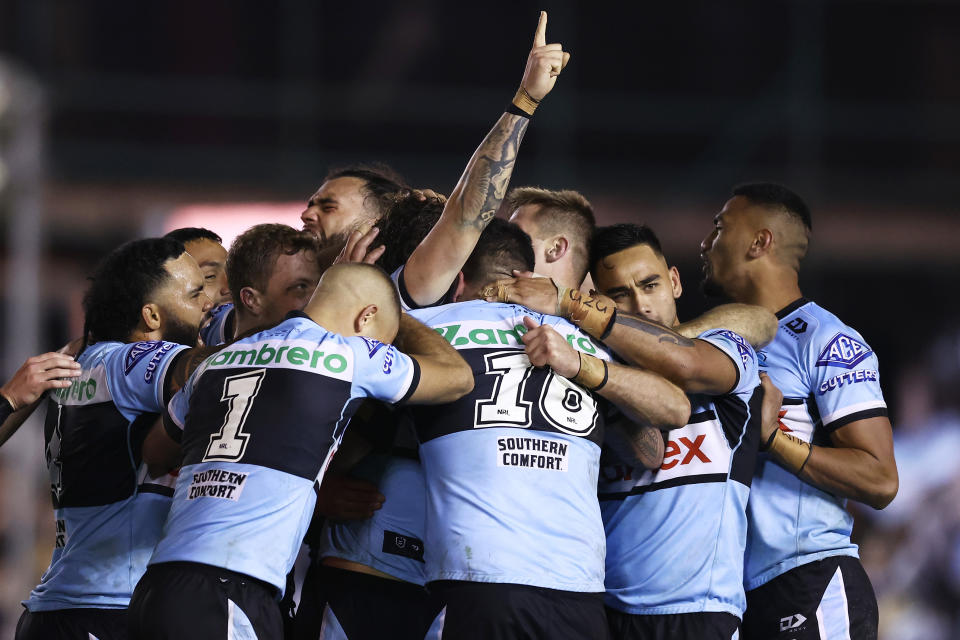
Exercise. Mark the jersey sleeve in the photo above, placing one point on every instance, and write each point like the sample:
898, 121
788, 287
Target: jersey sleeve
381, 371
740, 352
406, 301
136, 375
844, 377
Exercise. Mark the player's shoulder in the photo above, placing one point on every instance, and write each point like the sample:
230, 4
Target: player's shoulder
826, 337
132, 357
732, 342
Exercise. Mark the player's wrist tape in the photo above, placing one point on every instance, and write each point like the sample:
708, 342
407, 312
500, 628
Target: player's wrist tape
523, 104
595, 313
790, 451
593, 372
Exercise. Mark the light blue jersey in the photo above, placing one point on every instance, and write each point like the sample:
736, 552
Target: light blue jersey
676, 535
220, 328
829, 378
261, 420
511, 467
108, 516
392, 540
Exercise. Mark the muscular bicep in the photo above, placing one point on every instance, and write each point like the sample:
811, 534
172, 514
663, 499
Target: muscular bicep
870, 435
713, 371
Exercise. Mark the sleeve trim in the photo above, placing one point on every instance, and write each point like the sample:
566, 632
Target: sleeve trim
854, 417
736, 367
173, 428
414, 381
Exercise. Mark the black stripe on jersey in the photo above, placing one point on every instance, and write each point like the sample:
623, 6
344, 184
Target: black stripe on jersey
702, 416
89, 454
790, 308
405, 297
156, 488
818, 436
745, 456
792, 401
289, 425
853, 417
705, 478
414, 382
172, 428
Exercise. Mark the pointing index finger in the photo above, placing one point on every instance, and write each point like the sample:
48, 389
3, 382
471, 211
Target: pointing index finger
540, 38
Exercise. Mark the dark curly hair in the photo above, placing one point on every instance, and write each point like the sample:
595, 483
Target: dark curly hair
405, 224
381, 183
122, 284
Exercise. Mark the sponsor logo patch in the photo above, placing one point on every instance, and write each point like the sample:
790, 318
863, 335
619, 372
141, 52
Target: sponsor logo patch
846, 379
791, 622
797, 325
843, 351
137, 353
155, 361
372, 345
217, 483
61, 539
742, 347
532, 453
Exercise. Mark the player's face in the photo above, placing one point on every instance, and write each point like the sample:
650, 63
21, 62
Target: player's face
335, 209
640, 282
291, 284
525, 218
182, 301
211, 257
725, 249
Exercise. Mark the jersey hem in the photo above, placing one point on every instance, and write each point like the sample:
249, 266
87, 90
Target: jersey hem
793, 563
673, 609
580, 587
58, 605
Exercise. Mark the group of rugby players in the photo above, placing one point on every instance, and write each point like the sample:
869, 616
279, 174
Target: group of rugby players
470, 446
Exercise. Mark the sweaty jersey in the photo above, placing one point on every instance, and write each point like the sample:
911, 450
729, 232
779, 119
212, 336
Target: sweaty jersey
676, 535
391, 540
511, 467
218, 331
108, 514
828, 376
261, 420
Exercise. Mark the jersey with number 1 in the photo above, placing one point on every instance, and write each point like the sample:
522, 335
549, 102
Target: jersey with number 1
828, 376
109, 513
261, 420
511, 467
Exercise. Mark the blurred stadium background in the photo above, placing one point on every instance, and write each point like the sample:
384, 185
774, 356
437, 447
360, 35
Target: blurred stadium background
123, 119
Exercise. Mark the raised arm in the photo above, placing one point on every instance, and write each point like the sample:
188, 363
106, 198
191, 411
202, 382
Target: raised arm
22, 393
693, 365
755, 324
434, 264
444, 375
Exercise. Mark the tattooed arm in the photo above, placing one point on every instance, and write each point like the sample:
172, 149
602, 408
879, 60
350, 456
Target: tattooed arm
435, 263
695, 366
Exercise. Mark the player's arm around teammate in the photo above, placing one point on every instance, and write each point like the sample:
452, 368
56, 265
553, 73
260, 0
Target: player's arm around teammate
444, 375
435, 264
649, 402
21, 394
752, 322
693, 365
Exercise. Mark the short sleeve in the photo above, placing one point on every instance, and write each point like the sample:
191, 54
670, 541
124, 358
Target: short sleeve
176, 416
406, 301
845, 379
740, 352
381, 371
136, 375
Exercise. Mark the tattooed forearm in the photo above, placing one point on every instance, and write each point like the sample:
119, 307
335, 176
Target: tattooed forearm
488, 174
662, 334
645, 443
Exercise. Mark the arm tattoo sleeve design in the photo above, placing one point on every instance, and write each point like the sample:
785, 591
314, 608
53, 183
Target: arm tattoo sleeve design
489, 175
659, 331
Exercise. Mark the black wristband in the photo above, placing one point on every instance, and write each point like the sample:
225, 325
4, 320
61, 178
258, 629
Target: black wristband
606, 332
606, 376
6, 409
766, 445
517, 111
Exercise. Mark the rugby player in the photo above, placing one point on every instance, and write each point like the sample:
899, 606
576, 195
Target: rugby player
272, 270
206, 247
514, 540
350, 198
834, 441
261, 420
143, 308
560, 225
676, 535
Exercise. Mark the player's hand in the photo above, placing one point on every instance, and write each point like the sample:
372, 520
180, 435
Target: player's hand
357, 248
769, 408
37, 375
544, 63
538, 294
423, 194
341, 497
547, 348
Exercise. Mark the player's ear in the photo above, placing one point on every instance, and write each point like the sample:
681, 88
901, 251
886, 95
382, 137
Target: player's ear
458, 291
675, 282
556, 248
250, 300
363, 323
150, 315
762, 243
